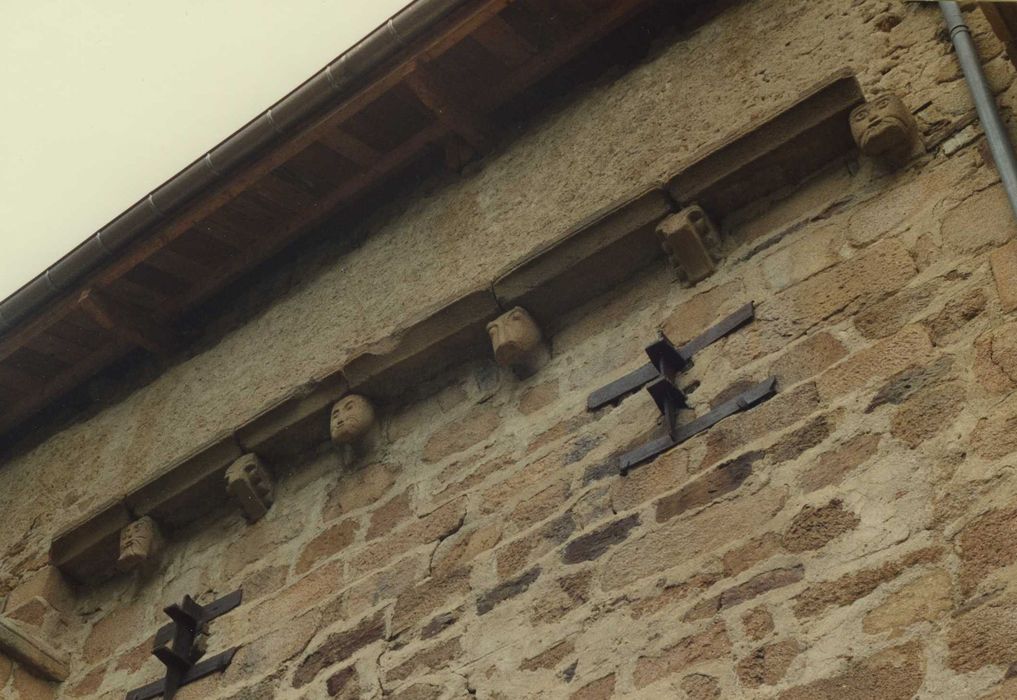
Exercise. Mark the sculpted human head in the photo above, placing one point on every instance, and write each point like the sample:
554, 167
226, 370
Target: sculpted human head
884, 128
250, 484
140, 542
352, 418
515, 336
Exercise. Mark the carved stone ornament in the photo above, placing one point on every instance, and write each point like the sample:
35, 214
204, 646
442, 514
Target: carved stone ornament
884, 129
517, 341
140, 545
690, 240
352, 418
250, 485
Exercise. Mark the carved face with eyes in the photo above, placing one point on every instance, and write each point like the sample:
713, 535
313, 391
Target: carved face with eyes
514, 335
139, 543
352, 417
884, 128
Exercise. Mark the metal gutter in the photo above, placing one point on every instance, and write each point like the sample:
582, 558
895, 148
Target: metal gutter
985, 101
335, 81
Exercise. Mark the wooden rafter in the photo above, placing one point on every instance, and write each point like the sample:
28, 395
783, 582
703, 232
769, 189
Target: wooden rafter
450, 108
130, 324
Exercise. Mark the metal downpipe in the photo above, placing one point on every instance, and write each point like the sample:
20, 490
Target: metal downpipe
985, 102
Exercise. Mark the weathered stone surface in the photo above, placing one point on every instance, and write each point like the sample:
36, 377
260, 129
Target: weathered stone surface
980, 221
711, 643
955, 315
462, 434
832, 466
757, 623
510, 589
649, 481
887, 317
807, 358
744, 557
766, 665
996, 358
435, 657
995, 435
906, 383
327, 544
986, 544
432, 527
983, 636
464, 546
800, 440
424, 598
753, 588
699, 686
389, 515
896, 673
1004, 272
340, 646
594, 544
550, 657
781, 411
715, 483
359, 489
537, 397
850, 587
29, 687
927, 414
683, 539
344, 684
600, 689
813, 528
887, 357
702, 311
46, 583
925, 599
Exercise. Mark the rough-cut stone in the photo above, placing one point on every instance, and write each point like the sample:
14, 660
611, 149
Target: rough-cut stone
711, 643
807, 358
800, 440
753, 588
537, 397
594, 544
850, 587
986, 544
359, 489
29, 687
894, 354
464, 546
389, 515
896, 673
344, 684
432, 527
979, 222
340, 646
327, 544
435, 657
813, 527
887, 317
460, 435
510, 589
698, 686
550, 657
744, 557
927, 414
983, 636
832, 467
757, 623
995, 436
48, 584
683, 539
600, 689
708, 487
906, 383
955, 315
649, 481
702, 311
766, 665
925, 599
996, 359
1004, 272
425, 597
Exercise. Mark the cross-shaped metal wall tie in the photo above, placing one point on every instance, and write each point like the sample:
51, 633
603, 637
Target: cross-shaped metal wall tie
180, 644
660, 377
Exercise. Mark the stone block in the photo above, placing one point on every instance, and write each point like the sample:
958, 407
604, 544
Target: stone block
712, 485
600, 689
983, 636
744, 592
766, 665
1004, 272
986, 544
924, 600
877, 362
807, 358
487, 601
329, 543
48, 584
425, 597
896, 673
425, 346
591, 258
832, 466
432, 658
340, 646
595, 544
814, 527
757, 623
550, 657
711, 643
774, 152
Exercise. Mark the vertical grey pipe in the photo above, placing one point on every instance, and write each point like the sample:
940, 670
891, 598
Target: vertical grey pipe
985, 102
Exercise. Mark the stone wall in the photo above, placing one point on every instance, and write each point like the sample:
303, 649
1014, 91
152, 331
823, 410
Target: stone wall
850, 538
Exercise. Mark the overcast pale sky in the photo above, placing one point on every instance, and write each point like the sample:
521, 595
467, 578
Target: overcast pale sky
104, 100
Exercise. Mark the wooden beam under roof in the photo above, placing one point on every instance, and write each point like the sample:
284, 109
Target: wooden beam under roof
450, 108
130, 324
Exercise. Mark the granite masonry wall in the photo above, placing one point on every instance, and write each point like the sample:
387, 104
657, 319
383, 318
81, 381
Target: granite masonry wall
853, 537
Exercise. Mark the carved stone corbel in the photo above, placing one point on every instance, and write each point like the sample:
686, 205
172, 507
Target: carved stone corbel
251, 486
141, 544
517, 342
885, 130
692, 243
